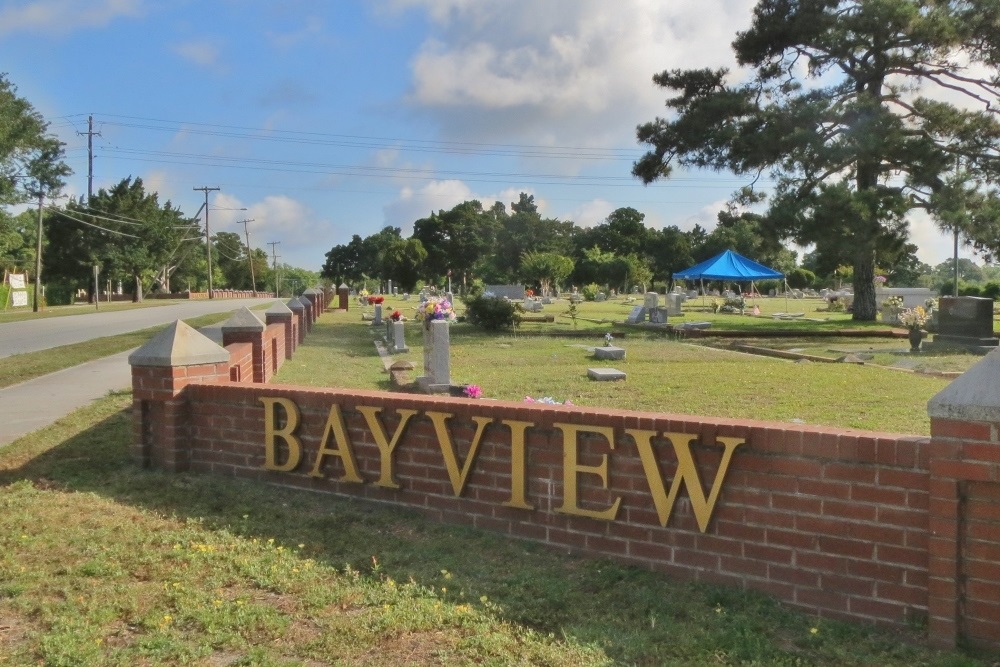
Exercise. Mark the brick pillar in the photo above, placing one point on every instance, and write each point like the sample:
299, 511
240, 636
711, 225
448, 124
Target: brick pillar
964, 521
245, 327
343, 293
314, 304
307, 315
279, 313
161, 369
299, 311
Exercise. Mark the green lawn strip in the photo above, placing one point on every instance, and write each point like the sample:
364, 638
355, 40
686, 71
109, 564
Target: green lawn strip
663, 376
104, 563
23, 367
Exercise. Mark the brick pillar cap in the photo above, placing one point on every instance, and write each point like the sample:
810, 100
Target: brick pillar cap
974, 395
278, 309
311, 290
343, 286
179, 345
241, 321
295, 304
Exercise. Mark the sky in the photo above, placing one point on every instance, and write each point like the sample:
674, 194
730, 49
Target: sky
329, 119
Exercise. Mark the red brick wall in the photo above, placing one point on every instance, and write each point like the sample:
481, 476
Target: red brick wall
241, 359
829, 520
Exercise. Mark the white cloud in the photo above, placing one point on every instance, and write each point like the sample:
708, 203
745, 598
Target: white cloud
519, 68
415, 203
203, 52
59, 17
591, 213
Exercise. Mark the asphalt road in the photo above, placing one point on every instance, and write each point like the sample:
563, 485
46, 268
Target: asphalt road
42, 334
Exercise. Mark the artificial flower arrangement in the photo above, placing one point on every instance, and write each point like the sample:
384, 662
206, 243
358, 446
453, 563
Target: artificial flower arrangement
608, 339
547, 400
372, 300
913, 318
473, 391
893, 302
396, 316
438, 309
930, 305
880, 281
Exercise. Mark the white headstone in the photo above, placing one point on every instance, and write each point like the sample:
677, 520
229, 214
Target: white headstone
652, 300
378, 315
398, 339
674, 301
437, 357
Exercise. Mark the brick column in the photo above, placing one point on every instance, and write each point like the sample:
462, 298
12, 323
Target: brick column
313, 298
964, 521
279, 313
307, 315
245, 327
161, 369
299, 311
343, 294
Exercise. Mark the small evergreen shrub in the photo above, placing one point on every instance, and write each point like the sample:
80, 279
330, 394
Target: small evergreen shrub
491, 313
590, 291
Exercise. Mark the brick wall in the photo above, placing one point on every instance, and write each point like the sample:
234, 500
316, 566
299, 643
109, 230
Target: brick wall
876, 527
831, 521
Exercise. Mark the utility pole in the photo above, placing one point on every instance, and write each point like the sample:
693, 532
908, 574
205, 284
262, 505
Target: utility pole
253, 281
274, 254
208, 239
38, 253
90, 156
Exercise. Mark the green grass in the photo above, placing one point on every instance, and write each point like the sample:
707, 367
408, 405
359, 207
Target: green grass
663, 376
102, 563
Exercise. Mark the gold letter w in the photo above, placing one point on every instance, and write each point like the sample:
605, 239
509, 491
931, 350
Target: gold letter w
687, 473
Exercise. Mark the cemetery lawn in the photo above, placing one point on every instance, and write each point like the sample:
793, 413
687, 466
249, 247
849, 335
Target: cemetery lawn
102, 563
663, 375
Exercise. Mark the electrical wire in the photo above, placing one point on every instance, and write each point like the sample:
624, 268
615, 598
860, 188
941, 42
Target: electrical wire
63, 213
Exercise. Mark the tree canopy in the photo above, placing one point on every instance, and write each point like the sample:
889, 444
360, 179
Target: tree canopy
843, 108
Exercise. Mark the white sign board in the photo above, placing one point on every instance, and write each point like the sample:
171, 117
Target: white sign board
19, 298
17, 281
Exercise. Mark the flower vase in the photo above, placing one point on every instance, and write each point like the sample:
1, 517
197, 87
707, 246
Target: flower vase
915, 336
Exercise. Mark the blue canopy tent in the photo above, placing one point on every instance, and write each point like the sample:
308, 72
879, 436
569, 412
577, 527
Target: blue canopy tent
729, 265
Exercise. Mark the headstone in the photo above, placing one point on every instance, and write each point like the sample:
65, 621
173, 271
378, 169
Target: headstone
912, 296
609, 352
342, 294
389, 287
398, 339
651, 301
406, 296
437, 358
966, 321
658, 315
395, 291
605, 374
600, 297
546, 300
693, 294
674, 301
378, 315
637, 315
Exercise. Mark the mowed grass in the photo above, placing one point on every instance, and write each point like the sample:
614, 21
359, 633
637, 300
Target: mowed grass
663, 376
102, 563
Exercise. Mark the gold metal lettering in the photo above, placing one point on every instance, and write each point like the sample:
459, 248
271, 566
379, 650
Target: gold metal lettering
457, 477
335, 425
687, 473
572, 469
518, 467
287, 434
385, 446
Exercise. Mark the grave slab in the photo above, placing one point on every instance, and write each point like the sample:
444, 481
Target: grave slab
609, 352
605, 374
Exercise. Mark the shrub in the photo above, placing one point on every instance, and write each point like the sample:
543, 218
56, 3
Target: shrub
991, 290
969, 290
800, 278
491, 313
590, 291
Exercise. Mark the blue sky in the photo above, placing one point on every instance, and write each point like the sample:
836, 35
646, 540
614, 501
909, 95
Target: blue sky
327, 119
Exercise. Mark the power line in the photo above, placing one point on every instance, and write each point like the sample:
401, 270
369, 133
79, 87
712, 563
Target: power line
63, 213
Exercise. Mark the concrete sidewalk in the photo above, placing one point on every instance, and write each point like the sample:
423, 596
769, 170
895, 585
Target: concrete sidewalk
34, 404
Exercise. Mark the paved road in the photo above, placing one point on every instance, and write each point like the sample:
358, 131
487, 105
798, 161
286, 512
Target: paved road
42, 334
31, 405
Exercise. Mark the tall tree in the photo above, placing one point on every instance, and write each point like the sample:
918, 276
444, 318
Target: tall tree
832, 109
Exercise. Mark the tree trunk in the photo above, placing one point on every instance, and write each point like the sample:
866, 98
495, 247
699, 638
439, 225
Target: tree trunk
865, 309
137, 297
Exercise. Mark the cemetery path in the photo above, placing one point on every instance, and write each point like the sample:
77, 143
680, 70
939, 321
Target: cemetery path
34, 404
42, 334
